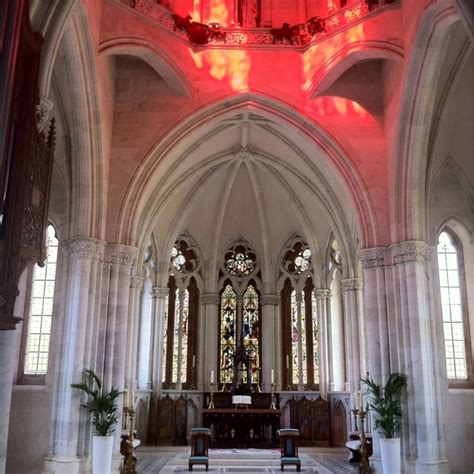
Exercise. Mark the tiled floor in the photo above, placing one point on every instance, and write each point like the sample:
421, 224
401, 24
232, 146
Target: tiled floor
175, 460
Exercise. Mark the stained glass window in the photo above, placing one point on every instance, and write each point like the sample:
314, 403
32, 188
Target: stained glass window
184, 336
452, 311
315, 339
251, 330
240, 261
227, 333
165, 340
295, 338
304, 348
299, 354
176, 327
41, 310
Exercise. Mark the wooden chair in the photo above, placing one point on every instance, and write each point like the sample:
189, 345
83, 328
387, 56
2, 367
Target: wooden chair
289, 448
199, 447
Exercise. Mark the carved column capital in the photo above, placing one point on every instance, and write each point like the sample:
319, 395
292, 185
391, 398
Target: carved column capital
270, 300
210, 298
159, 292
411, 251
373, 258
136, 282
83, 247
118, 254
43, 110
352, 284
322, 294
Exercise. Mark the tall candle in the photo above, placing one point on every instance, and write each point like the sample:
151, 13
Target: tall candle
212, 376
132, 396
361, 401
272, 376
125, 398
287, 361
194, 361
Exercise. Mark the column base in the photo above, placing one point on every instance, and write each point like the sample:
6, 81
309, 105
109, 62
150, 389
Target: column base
440, 466
66, 465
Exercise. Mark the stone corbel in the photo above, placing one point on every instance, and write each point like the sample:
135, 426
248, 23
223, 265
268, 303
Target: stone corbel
411, 251
352, 284
43, 111
159, 292
373, 258
322, 294
136, 282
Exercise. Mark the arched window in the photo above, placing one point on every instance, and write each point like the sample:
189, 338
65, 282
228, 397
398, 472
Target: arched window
40, 312
299, 319
455, 321
228, 323
179, 328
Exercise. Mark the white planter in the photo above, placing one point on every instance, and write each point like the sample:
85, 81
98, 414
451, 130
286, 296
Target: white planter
390, 450
102, 447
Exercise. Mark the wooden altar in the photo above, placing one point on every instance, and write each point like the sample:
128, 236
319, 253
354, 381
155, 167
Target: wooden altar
242, 427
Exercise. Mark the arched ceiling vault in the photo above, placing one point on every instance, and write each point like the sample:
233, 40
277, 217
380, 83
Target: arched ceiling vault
247, 175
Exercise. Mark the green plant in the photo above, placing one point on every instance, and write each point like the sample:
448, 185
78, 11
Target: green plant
102, 406
386, 402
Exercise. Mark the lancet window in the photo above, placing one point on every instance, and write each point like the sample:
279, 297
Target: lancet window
454, 316
179, 326
40, 311
299, 318
239, 323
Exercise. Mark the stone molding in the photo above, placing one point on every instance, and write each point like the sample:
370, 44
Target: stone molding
373, 257
159, 292
210, 298
83, 247
136, 282
118, 254
270, 300
352, 284
322, 294
411, 251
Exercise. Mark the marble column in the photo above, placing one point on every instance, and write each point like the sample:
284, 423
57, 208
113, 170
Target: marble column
336, 330
7, 356
323, 296
74, 321
136, 288
159, 310
145, 338
207, 357
120, 258
414, 351
351, 288
271, 343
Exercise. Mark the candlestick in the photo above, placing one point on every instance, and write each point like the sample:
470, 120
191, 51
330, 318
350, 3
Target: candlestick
125, 399
194, 361
272, 376
361, 401
211, 403
287, 362
273, 401
212, 376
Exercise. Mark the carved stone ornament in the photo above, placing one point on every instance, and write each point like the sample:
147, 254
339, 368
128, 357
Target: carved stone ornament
43, 110
160, 292
118, 254
83, 247
243, 153
352, 284
210, 298
270, 300
373, 258
322, 294
411, 251
136, 282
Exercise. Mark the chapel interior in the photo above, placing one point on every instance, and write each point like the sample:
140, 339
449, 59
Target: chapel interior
208, 199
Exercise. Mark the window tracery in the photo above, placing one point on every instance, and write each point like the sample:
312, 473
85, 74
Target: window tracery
299, 317
240, 260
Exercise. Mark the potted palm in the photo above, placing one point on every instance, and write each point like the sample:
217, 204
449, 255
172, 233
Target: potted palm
103, 409
386, 404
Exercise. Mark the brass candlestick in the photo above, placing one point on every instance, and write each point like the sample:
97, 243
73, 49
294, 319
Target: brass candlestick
364, 467
355, 411
192, 385
129, 465
259, 369
211, 403
288, 379
273, 403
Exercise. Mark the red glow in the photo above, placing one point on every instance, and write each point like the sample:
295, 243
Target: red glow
233, 66
332, 106
219, 13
